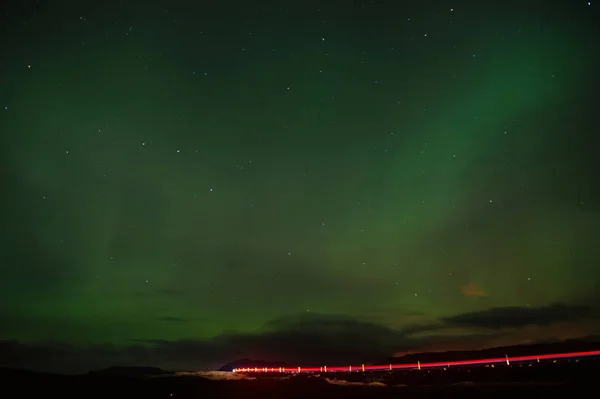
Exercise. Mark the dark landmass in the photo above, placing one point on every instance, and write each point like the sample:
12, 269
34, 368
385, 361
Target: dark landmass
130, 372
548, 377
512, 351
556, 377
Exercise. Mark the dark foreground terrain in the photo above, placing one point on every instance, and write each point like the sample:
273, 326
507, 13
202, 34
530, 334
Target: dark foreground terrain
566, 377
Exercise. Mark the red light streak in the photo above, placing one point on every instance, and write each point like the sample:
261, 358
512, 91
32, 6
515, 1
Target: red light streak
420, 365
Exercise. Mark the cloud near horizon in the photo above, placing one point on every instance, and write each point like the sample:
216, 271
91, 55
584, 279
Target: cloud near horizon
306, 339
510, 317
473, 290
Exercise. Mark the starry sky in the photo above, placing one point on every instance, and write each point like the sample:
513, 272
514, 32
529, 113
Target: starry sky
188, 183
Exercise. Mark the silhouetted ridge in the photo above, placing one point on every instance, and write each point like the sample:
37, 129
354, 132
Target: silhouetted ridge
129, 372
511, 351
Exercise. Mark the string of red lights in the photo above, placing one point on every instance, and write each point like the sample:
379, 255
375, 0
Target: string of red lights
417, 365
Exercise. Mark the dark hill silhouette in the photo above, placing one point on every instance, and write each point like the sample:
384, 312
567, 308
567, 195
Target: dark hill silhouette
544, 379
251, 363
511, 351
129, 372
13, 373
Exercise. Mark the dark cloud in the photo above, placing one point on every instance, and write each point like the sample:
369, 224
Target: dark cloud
422, 328
514, 317
508, 317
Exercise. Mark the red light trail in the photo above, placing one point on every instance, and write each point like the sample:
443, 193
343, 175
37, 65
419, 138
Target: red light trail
417, 365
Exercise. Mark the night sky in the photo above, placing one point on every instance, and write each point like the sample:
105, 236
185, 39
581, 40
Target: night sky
188, 183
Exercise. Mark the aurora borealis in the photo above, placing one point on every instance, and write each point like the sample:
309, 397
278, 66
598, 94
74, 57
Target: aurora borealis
184, 185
